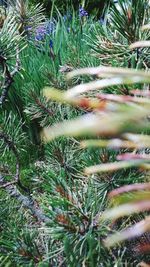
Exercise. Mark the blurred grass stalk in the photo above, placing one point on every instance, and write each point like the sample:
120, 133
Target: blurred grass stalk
121, 119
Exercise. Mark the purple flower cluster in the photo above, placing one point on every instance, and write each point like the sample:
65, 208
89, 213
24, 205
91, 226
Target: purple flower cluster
28, 31
46, 29
83, 12
40, 33
28, 28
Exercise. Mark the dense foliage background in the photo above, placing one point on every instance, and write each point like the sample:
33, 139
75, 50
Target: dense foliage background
51, 209
93, 7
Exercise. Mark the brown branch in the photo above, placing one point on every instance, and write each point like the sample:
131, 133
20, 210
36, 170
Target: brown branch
7, 184
17, 66
8, 75
12, 147
11, 187
26, 201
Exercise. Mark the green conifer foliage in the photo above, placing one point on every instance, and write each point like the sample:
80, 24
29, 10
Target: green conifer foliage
74, 135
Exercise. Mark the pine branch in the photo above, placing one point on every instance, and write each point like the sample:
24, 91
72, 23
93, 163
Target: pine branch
42, 106
26, 201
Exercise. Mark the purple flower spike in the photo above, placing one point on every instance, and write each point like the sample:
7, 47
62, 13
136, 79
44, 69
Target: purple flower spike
82, 12
50, 27
51, 44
